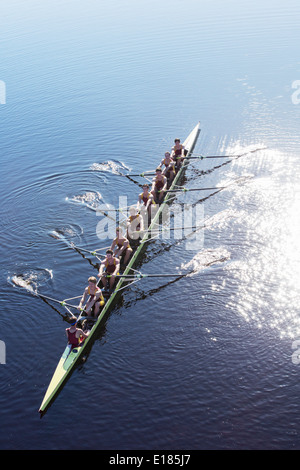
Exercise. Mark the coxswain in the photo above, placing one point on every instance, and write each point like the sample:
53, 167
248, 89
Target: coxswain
95, 298
135, 224
178, 154
109, 266
75, 335
121, 246
159, 186
169, 171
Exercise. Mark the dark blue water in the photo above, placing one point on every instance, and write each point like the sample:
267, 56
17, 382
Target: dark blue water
97, 89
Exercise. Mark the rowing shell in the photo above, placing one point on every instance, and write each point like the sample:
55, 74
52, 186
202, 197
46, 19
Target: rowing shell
70, 357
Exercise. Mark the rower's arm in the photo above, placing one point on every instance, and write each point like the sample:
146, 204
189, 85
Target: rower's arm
165, 185
117, 268
80, 332
83, 298
101, 269
141, 223
149, 201
124, 246
90, 304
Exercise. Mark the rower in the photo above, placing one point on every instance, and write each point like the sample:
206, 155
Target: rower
75, 335
109, 266
169, 170
178, 153
146, 204
135, 224
159, 186
145, 199
121, 247
95, 300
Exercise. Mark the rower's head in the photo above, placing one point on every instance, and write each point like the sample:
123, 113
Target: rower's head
92, 281
167, 155
158, 171
119, 231
132, 210
109, 253
177, 141
145, 188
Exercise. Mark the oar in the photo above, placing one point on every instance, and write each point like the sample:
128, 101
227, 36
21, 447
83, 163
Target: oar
94, 252
143, 174
201, 157
61, 302
193, 189
195, 157
217, 188
143, 276
161, 229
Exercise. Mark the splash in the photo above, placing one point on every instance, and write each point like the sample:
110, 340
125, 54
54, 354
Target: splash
19, 281
204, 259
31, 280
111, 166
89, 199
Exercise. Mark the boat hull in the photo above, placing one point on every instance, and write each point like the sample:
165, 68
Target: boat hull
69, 359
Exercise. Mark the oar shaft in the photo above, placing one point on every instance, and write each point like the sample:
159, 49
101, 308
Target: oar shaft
141, 276
202, 157
192, 189
61, 302
162, 229
145, 173
94, 253
162, 275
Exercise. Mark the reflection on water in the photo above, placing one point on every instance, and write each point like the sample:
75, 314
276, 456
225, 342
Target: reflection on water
268, 275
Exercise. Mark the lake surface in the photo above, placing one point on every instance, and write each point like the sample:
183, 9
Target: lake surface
89, 92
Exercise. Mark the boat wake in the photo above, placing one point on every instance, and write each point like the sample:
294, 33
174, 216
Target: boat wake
111, 166
204, 259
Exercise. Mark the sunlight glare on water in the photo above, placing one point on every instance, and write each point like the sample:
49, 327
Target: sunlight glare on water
268, 276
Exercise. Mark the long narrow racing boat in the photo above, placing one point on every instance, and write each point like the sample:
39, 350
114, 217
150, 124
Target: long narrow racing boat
70, 357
